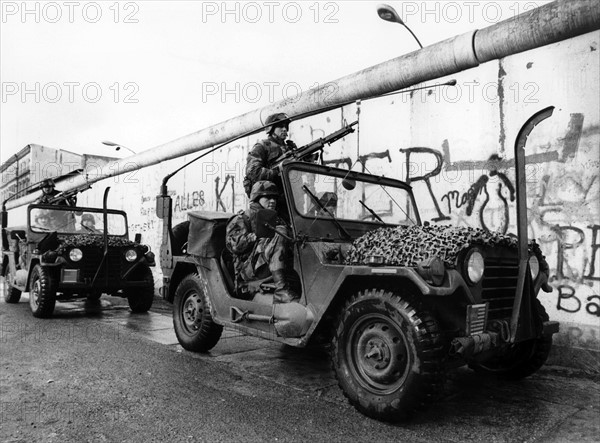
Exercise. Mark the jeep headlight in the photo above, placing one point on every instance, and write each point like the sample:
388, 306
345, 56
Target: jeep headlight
75, 254
432, 270
534, 266
131, 255
474, 266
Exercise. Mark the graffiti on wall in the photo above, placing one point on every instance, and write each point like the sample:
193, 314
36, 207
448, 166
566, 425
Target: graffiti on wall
188, 201
481, 193
562, 209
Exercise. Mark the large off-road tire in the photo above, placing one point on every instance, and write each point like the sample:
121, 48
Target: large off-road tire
521, 359
11, 294
193, 322
387, 355
42, 292
140, 299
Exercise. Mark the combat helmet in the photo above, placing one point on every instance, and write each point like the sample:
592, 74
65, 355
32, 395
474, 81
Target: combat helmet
263, 188
275, 120
88, 217
47, 183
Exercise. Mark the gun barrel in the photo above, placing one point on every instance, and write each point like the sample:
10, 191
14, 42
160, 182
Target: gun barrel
315, 145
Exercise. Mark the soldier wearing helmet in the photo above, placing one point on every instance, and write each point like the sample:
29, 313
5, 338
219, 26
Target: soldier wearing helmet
265, 152
88, 224
49, 195
255, 258
43, 220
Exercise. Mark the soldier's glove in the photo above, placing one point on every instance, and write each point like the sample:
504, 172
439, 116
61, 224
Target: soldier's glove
291, 145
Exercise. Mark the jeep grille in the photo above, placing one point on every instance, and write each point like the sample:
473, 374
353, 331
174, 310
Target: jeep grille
92, 258
499, 286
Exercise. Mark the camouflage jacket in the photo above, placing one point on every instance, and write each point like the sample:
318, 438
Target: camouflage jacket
260, 161
241, 240
239, 235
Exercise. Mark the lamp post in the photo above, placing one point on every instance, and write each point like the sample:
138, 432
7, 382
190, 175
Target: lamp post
118, 146
389, 14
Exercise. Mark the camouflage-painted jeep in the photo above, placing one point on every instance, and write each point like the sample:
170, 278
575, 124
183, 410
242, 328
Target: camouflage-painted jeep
74, 252
398, 302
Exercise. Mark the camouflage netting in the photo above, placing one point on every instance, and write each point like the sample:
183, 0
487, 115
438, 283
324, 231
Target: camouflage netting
85, 240
407, 246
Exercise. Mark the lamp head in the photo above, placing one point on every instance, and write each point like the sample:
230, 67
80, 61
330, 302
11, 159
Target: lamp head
388, 13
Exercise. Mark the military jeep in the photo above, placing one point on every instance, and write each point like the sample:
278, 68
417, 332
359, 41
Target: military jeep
58, 257
398, 302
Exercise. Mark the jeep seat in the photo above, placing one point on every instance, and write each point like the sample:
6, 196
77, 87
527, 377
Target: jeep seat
226, 263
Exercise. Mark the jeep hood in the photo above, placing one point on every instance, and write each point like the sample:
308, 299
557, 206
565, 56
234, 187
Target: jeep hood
409, 245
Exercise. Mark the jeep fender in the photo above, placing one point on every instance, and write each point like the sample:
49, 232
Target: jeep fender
352, 279
182, 266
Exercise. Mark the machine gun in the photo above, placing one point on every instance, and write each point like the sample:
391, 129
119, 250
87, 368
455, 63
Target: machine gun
303, 152
68, 196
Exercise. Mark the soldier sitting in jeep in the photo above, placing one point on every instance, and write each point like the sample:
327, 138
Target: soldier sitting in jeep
43, 221
88, 225
254, 257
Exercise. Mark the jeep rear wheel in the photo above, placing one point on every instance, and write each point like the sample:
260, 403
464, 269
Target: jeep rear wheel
193, 322
42, 292
387, 355
140, 299
521, 359
11, 294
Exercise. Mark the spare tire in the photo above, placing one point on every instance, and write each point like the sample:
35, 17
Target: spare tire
180, 237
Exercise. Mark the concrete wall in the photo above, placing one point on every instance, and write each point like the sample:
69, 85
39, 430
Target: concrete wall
465, 174
563, 156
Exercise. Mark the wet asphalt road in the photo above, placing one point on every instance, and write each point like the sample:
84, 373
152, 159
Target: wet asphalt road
99, 373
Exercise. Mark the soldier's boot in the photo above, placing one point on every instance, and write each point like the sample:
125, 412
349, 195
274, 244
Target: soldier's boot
283, 292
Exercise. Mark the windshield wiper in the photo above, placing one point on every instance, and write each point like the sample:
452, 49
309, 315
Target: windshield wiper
333, 218
373, 213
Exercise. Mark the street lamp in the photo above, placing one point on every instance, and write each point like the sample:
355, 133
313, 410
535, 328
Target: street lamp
389, 14
118, 146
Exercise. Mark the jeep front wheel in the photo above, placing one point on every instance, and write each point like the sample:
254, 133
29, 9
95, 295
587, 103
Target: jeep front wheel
387, 355
42, 293
141, 298
521, 359
11, 294
193, 322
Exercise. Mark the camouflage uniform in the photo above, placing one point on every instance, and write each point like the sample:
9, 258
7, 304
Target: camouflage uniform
255, 258
46, 198
260, 160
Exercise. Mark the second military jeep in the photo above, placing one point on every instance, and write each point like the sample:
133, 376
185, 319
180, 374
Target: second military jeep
65, 252
399, 302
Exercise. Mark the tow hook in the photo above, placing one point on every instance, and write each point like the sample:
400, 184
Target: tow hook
474, 344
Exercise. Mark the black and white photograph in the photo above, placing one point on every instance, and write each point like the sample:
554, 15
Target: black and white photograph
292, 221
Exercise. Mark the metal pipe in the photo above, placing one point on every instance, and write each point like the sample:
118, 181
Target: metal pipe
547, 24
520, 143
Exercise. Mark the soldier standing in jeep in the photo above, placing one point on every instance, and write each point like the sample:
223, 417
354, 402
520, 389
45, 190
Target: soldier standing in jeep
49, 195
264, 153
256, 258
88, 224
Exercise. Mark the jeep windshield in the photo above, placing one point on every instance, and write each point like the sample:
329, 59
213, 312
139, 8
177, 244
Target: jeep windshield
70, 220
346, 200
